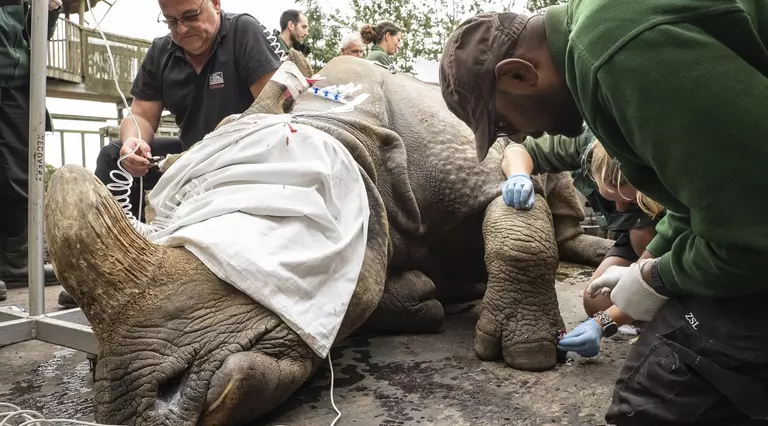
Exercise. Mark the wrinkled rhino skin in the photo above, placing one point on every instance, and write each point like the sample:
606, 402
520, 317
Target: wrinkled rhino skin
178, 346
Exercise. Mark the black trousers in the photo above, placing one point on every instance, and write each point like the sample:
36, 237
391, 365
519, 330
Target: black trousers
106, 162
699, 361
14, 160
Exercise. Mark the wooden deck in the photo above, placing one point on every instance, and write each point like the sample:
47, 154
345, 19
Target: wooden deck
79, 67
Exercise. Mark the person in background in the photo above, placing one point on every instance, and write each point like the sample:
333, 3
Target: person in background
615, 201
212, 65
294, 28
352, 45
15, 39
386, 37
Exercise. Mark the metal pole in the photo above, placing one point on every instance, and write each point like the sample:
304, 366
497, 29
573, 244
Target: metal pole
38, 50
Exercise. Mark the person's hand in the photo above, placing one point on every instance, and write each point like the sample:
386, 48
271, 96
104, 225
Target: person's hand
137, 164
605, 283
517, 191
584, 339
634, 297
53, 5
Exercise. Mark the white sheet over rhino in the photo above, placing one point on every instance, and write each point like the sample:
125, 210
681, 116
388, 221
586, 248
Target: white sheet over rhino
281, 215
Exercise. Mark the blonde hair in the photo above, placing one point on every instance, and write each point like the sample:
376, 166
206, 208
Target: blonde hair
605, 168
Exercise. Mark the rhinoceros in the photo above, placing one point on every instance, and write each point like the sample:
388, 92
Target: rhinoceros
178, 346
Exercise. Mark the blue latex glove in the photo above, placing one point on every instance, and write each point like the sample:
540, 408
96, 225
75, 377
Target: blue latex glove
584, 339
517, 191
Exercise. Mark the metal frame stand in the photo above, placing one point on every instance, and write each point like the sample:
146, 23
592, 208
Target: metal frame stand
67, 328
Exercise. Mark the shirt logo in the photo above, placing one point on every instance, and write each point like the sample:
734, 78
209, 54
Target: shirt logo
692, 320
216, 80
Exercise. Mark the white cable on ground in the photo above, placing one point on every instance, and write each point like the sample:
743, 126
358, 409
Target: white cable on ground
32, 418
333, 403
10, 412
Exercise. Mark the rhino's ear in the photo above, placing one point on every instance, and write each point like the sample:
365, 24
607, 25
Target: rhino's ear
301, 61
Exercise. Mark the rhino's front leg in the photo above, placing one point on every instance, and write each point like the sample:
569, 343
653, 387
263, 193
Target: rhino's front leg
520, 316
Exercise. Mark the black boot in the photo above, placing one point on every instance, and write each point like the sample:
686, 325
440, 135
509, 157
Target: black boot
13, 263
3, 291
66, 300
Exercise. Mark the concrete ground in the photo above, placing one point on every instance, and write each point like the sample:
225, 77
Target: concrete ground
392, 380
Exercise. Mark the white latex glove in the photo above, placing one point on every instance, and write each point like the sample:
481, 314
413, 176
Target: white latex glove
634, 297
605, 283
53, 5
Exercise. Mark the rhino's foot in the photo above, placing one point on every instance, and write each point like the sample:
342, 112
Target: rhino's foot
585, 249
407, 306
520, 316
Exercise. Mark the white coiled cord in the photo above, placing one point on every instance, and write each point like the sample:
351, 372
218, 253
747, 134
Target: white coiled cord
275, 44
122, 180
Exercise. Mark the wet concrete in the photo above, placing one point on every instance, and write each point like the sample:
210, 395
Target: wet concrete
433, 379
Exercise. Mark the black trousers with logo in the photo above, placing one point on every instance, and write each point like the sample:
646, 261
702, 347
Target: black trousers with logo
14, 160
700, 361
106, 162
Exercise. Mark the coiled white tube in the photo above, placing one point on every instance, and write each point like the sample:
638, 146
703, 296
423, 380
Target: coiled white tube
32, 418
274, 43
122, 180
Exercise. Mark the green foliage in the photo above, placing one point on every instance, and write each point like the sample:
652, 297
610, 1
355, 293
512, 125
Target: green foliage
324, 35
49, 169
537, 6
426, 24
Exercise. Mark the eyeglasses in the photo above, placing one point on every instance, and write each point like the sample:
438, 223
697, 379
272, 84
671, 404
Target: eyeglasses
185, 19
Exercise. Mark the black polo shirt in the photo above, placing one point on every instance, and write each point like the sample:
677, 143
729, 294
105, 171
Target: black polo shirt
241, 55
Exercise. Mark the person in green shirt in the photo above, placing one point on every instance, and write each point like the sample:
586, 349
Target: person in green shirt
386, 37
617, 210
15, 62
294, 28
676, 91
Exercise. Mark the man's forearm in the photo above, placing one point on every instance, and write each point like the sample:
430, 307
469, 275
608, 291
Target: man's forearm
128, 129
516, 160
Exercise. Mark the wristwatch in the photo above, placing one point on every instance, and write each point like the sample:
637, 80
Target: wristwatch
657, 284
609, 327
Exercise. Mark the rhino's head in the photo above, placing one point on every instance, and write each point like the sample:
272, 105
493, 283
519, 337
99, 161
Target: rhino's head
177, 346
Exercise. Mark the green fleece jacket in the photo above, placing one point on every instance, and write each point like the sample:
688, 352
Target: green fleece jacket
556, 153
677, 92
15, 23
380, 56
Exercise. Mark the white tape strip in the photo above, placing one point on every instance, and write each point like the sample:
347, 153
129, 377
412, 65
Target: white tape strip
289, 75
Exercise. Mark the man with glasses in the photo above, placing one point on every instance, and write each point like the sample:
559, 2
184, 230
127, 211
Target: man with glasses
677, 92
211, 65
